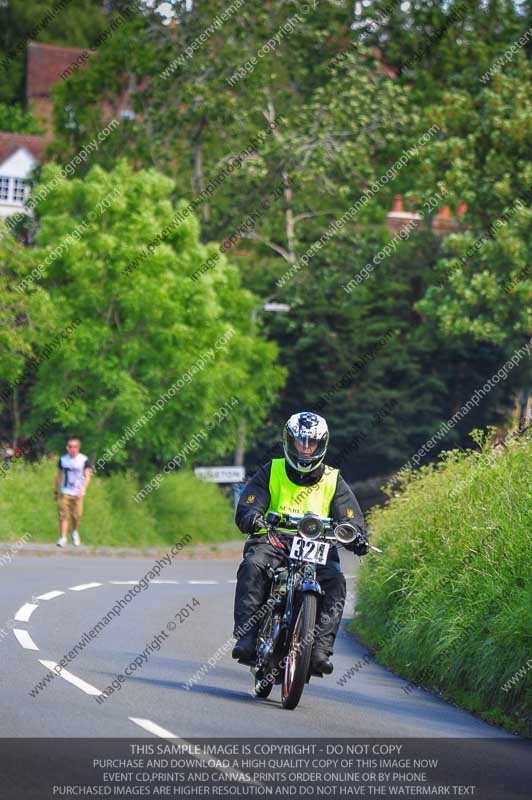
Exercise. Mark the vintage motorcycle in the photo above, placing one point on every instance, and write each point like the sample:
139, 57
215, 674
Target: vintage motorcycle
286, 634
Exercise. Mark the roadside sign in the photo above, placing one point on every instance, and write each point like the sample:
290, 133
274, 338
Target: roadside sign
221, 474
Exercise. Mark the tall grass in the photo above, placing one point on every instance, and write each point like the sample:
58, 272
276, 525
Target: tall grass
449, 603
183, 504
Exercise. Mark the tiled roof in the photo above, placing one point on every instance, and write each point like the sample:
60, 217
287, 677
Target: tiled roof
11, 142
45, 63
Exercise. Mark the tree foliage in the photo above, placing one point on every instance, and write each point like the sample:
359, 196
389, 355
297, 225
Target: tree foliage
314, 106
143, 322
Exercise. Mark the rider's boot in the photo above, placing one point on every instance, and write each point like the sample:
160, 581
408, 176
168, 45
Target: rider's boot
321, 663
244, 649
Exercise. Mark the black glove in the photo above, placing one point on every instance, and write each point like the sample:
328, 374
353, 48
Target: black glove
360, 545
256, 523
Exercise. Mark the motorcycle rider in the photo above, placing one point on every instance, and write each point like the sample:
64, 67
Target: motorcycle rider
298, 483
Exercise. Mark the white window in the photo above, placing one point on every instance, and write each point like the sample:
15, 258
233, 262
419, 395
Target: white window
4, 188
20, 190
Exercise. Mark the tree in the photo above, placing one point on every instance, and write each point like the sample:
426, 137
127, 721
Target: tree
484, 158
25, 320
17, 120
117, 260
380, 372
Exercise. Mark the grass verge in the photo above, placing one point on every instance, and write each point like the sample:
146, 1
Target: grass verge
449, 603
183, 504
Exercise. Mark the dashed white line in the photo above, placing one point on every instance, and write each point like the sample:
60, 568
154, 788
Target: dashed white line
123, 583
73, 679
232, 580
83, 586
24, 639
165, 581
49, 595
210, 582
25, 612
152, 727
203, 757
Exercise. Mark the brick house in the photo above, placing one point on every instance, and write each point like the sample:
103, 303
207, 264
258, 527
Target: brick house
443, 222
46, 65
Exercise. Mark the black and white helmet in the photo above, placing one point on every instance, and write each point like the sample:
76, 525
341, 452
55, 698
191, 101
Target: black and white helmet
305, 440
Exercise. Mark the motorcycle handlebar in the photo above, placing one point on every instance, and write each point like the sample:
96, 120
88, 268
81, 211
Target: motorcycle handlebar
329, 526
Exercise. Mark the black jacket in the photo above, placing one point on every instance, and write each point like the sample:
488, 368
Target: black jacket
255, 498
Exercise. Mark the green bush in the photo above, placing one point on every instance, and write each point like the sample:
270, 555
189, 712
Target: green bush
449, 603
183, 504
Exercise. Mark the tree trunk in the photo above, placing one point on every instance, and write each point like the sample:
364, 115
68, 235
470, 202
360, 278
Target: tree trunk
240, 449
289, 218
522, 402
16, 418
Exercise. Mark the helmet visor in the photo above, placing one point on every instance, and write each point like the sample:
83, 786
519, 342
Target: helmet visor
304, 451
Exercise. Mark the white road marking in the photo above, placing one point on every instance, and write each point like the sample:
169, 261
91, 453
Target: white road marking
165, 581
73, 679
210, 582
203, 758
350, 576
24, 639
49, 595
83, 586
233, 580
25, 612
151, 727
124, 583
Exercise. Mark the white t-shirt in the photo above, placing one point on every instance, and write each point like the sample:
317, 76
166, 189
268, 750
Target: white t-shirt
73, 472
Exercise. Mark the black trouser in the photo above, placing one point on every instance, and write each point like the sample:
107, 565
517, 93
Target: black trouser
253, 586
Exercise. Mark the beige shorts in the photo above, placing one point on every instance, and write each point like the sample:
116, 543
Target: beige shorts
71, 506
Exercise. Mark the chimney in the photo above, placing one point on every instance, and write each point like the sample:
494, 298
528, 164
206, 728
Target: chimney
397, 203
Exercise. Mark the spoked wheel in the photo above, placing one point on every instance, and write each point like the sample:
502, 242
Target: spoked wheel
264, 681
298, 659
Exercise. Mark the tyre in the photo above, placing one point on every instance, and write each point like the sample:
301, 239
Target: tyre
300, 651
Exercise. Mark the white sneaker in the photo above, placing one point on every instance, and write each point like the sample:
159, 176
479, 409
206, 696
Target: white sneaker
75, 539
62, 541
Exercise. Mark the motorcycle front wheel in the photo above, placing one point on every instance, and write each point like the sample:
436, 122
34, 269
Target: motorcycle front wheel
300, 652
264, 681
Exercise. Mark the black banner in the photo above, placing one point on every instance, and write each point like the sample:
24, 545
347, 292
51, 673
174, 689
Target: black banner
485, 769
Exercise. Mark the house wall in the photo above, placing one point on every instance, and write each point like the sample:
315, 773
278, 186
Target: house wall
18, 166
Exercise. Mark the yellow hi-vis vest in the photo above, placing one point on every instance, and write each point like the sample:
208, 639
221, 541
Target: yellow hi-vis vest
289, 498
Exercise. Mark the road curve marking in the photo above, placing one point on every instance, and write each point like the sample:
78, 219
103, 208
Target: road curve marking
24, 639
25, 612
83, 586
198, 581
152, 727
49, 595
73, 679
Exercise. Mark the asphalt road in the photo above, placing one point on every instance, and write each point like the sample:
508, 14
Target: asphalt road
372, 703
